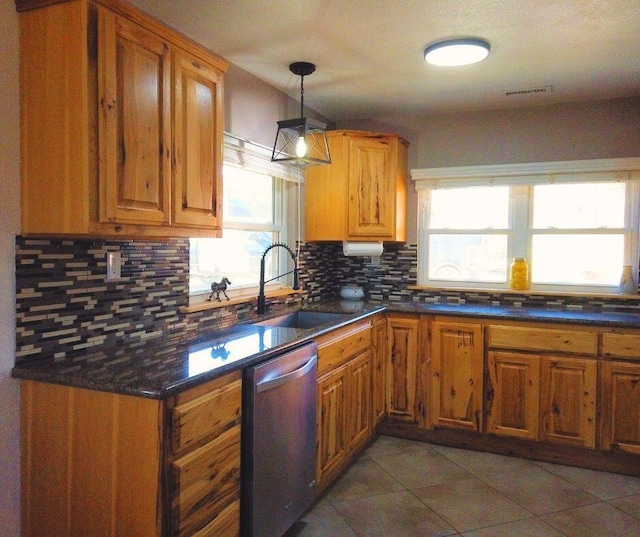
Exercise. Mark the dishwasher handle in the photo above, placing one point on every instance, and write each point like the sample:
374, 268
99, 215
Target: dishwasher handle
283, 379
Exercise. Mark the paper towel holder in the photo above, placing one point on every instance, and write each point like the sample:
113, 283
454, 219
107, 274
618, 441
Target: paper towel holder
362, 249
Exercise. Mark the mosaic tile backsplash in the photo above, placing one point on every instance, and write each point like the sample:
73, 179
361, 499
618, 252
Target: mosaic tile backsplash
64, 305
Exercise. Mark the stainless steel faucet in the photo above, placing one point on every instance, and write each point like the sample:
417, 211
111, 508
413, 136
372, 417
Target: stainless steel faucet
262, 306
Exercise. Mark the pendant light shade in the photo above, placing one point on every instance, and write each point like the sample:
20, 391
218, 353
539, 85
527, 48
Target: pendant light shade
301, 141
453, 52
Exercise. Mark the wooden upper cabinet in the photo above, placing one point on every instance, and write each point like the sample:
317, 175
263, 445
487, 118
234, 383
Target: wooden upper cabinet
197, 117
361, 195
134, 120
457, 356
122, 122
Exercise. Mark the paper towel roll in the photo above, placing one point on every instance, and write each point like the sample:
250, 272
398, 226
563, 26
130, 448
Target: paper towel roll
362, 248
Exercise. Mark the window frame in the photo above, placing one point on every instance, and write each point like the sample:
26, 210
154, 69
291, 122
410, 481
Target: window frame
243, 154
521, 178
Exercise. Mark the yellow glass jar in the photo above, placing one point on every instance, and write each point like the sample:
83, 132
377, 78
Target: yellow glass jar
519, 278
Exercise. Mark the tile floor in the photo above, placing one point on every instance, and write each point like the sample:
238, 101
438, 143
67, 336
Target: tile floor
406, 488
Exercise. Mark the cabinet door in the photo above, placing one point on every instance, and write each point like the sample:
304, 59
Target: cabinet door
513, 394
372, 188
197, 195
568, 401
402, 336
457, 371
379, 359
134, 78
620, 395
332, 393
359, 400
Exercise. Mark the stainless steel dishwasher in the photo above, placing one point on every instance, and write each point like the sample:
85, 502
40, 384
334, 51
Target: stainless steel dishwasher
279, 442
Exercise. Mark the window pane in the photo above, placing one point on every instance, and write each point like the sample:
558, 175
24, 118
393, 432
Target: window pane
577, 259
470, 208
575, 206
477, 258
236, 256
248, 196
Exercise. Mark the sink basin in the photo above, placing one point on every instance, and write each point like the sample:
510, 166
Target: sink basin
303, 319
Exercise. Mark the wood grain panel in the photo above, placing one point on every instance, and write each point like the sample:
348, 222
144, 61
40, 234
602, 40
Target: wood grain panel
402, 341
543, 339
206, 481
568, 400
359, 400
207, 416
331, 422
134, 83
91, 463
54, 113
379, 370
616, 345
457, 370
620, 409
198, 100
513, 394
226, 524
337, 347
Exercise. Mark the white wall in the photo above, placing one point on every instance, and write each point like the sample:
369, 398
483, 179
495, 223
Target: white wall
9, 227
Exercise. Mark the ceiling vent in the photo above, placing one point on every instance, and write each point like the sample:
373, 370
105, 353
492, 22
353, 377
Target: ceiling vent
528, 91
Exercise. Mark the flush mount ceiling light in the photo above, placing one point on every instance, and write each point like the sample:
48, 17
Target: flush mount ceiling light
301, 141
452, 52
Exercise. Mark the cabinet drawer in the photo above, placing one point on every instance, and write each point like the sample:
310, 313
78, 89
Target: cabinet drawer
226, 524
206, 416
621, 345
542, 339
206, 481
336, 348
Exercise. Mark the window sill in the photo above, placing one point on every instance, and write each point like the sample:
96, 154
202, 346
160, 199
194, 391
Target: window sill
536, 292
214, 304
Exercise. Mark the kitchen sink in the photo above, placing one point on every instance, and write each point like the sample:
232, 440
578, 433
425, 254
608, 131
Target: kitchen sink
303, 319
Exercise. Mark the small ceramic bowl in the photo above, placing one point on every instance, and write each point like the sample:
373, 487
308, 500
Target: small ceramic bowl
352, 292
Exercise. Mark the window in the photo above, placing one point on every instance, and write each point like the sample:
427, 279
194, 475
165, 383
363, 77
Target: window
255, 216
575, 223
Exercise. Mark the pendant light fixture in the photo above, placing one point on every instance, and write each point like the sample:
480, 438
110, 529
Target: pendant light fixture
453, 52
301, 141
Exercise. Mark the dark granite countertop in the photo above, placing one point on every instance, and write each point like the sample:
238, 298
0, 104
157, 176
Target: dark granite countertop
607, 319
160, 367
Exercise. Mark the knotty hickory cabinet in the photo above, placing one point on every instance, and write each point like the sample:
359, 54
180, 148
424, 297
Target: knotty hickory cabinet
534, 389
361, 195
121, 124
98, 463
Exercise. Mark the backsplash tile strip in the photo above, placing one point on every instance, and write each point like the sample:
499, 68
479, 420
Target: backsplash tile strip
64, 306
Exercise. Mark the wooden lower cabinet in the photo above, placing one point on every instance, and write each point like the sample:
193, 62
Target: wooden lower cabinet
359, 400
568, 401
379, 370
620, 407
344, 398
332, 443
402, 367
104, 464
457, 368
513, 394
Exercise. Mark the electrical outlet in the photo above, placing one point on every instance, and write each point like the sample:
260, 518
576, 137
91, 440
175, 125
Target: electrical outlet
113, 265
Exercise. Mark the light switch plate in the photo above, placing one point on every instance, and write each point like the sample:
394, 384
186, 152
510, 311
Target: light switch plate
113, 265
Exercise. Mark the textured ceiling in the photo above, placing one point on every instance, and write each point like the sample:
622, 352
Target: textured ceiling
369, 53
